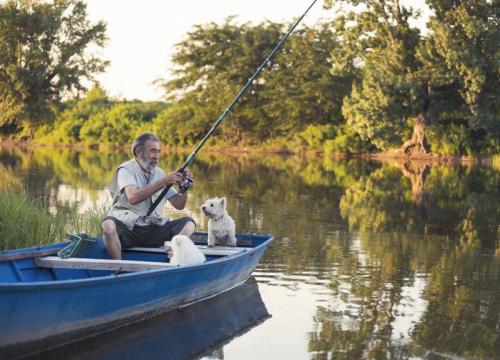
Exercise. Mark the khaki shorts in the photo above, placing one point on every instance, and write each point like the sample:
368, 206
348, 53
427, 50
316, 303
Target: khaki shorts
149, 235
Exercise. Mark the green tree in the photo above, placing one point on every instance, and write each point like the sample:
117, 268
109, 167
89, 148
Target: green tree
120, 124
44, 55
446, 81
66, 127
215, 61
378, 52
460, 61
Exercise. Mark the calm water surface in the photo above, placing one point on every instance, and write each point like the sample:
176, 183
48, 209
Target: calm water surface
370, 260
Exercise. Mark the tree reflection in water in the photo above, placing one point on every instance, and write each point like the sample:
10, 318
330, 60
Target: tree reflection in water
408, 252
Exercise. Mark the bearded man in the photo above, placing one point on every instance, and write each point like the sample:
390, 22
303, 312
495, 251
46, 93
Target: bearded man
134, 187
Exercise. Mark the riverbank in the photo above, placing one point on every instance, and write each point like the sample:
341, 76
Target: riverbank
297, 151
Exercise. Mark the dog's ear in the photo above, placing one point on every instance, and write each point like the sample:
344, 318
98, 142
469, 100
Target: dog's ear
223, 202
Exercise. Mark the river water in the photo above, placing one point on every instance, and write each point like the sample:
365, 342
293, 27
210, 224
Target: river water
371, 260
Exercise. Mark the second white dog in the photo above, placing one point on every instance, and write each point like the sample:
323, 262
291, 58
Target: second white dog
184, 251
221, 227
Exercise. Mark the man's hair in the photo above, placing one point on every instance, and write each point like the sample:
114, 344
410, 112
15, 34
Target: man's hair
140, 141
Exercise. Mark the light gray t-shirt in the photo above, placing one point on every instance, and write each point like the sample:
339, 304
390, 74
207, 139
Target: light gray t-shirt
125, 178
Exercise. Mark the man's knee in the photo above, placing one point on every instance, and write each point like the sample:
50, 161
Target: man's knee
108, 227
188, 228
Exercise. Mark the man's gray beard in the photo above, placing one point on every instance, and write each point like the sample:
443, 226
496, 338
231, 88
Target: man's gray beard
150, 166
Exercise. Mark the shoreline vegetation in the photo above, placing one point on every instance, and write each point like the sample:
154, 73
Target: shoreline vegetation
368, 82
304, 151
26, 221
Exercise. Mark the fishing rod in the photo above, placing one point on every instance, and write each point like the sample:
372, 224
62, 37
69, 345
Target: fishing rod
228, 109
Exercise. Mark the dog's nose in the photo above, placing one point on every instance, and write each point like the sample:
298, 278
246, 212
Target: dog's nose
202, 208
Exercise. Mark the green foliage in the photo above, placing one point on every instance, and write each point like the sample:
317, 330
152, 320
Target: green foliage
378, 51
76, 221
98, 120
461, 59
354, 84
316, 135
120, 124
346, 141
450, 74
25, 222
67, 125
44, 56
215, 61
449, 140
172, 125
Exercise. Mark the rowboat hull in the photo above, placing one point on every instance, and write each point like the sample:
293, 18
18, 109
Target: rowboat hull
43, 314
190, 332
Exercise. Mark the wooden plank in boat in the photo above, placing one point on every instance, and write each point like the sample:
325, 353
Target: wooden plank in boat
27, 255
99, 264
213, 251
202, 239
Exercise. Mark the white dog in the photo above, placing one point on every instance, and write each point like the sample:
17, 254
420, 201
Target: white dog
221, 228
184, 251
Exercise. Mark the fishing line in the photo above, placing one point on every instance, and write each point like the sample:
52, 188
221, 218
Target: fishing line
228, 109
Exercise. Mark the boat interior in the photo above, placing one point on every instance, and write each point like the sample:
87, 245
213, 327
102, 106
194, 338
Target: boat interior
43, 264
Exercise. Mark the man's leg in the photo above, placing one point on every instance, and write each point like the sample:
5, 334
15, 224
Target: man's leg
188, 229
111, 240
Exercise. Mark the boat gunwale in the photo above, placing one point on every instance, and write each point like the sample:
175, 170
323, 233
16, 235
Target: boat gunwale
127, 276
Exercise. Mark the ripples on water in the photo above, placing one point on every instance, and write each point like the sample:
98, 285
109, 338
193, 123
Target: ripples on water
369, 260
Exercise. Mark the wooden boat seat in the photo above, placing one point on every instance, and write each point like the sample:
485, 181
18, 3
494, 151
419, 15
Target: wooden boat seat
127, 265
207, 251
99, 264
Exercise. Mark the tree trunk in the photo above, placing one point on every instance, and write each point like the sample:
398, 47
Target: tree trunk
417, 146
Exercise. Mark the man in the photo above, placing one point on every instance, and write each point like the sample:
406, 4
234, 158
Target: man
134, 187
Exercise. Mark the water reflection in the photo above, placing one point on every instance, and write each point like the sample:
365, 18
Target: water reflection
387, 260
199, 330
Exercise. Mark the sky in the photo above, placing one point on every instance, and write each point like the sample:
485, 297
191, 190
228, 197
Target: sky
143, 33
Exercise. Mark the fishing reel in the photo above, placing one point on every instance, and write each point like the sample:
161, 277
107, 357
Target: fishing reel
185, 184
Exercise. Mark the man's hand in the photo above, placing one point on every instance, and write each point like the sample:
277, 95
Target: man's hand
175, 177
187, 181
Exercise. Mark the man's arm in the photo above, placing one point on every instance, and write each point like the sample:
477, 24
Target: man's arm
136, 195
178, 201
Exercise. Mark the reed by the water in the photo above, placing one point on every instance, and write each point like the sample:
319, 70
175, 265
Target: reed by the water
25, 221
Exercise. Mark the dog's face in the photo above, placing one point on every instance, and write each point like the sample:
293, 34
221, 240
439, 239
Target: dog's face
178, 241
214, 208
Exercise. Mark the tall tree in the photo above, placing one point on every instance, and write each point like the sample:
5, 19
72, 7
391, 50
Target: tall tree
447, 79
294, 90
460, 63
44, 55
378, 49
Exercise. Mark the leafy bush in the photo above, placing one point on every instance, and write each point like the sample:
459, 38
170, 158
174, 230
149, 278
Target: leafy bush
67, 125
449, 140
120, 124
346, 141
173, 125
316, 135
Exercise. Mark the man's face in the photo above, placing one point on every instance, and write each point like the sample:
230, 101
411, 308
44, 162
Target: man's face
149, 156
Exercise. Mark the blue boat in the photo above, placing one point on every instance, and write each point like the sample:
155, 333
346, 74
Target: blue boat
201, 329
46, 301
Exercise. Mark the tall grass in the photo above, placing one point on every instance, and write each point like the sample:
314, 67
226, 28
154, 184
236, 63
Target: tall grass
88, 222
26, 222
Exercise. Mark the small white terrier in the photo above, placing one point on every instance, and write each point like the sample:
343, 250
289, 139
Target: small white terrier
184, 251
221, 227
